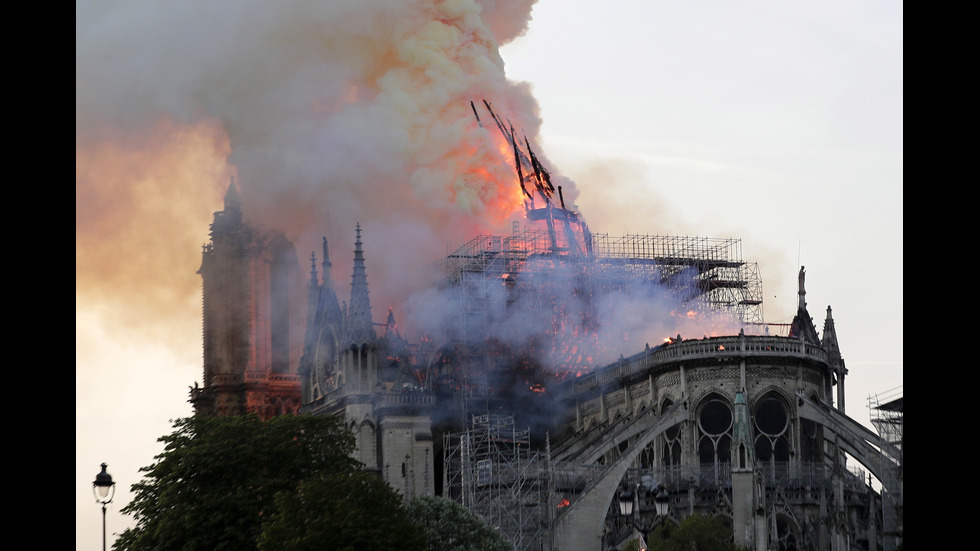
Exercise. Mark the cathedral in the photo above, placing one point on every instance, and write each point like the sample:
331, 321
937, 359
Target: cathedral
750, 428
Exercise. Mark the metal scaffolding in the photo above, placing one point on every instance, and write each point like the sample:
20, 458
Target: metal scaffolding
491, 470
703, 270
492, 272
888, 417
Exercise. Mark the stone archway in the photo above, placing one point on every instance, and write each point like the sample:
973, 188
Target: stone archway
579, 527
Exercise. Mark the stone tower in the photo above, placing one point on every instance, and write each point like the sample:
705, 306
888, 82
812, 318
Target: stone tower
253, 319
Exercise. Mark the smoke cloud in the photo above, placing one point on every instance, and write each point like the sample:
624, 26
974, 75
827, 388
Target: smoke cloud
326, 114
334, 112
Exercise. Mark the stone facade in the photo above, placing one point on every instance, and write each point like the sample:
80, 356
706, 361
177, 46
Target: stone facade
696, 459
253, 319
349, 370
749, 428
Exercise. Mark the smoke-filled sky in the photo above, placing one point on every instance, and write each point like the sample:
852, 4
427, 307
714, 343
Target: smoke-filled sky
777, 123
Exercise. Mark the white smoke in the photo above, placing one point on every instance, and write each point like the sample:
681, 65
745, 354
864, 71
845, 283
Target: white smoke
572, 315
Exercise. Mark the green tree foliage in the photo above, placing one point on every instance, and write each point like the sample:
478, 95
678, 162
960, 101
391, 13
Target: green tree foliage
694, 532
449, 526
340, 512
217, 479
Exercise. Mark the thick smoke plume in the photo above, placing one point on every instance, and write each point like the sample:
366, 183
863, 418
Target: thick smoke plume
335, 113
326, 114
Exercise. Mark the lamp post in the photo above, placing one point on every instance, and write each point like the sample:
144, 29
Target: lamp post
103, 488
629, 509
627, 503
662, 502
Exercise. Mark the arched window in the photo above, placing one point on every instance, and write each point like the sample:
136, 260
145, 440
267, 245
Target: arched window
771, 423
672, 439
715, 431
809, 446
787, 534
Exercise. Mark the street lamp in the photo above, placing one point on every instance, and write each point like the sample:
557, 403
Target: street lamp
103, 488
628, 507
626, 503
662, 502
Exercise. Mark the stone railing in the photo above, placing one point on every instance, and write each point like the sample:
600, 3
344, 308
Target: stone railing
740, 346
258, 376
778, 473
404, 398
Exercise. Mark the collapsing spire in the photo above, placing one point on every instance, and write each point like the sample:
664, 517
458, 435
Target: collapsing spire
359, 314
560, 220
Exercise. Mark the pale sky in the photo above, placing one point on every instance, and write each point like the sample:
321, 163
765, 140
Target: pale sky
777, 123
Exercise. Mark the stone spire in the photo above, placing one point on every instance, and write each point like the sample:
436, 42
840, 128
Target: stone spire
802, 288
313, 291
834, 358
324, 327
233, 202
829, 341
359, 313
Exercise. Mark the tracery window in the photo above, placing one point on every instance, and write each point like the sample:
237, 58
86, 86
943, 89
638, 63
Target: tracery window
809, 447
771, 423
671, 452
715, 422
787, 534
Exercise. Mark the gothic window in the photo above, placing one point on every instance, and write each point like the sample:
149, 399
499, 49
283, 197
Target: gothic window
809, 449
715, 431
787, 534
647, 458
671, 439
771, 422
625, 443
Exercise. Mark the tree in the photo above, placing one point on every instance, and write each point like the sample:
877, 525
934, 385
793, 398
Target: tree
694, 532
341, 512
218, 477
449, 526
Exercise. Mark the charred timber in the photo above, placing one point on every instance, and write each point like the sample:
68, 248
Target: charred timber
552, 213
